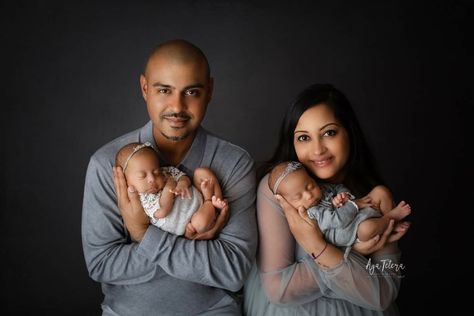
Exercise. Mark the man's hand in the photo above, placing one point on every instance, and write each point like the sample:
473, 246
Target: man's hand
221, 221
134, 217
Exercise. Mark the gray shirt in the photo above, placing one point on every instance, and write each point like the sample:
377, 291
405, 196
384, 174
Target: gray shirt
164, 273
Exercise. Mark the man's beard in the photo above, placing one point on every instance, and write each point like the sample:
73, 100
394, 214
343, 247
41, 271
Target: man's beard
175, 138
177, 115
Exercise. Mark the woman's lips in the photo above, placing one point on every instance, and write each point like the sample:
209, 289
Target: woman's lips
322, 162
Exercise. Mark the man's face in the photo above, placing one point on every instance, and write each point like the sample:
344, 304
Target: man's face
177, 95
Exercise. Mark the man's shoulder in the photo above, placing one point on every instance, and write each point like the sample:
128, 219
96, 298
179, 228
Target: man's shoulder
225, 149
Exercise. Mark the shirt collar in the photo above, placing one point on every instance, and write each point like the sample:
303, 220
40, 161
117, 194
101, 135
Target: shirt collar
193, 157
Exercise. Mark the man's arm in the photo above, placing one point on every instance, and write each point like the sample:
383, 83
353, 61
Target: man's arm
109, 254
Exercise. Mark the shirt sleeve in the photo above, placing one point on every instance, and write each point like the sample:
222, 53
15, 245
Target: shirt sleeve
110, 255
290, 277
225, 261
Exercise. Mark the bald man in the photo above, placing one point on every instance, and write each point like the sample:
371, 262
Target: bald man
144, 270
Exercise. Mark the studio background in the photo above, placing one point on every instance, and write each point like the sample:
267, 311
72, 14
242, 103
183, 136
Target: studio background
70, 84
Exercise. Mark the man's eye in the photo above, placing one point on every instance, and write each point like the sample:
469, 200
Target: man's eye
163, 91
191, 92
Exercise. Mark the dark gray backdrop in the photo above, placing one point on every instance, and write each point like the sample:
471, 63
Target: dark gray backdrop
70, 84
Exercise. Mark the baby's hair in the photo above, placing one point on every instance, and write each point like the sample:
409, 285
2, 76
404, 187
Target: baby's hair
127, 151
280, 171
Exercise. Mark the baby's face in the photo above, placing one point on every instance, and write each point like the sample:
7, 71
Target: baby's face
143, 172
299, 189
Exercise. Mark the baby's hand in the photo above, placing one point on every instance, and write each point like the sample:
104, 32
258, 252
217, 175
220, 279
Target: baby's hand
340, 199
182, 190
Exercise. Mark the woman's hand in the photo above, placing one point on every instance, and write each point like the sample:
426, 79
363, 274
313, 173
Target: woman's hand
304, 229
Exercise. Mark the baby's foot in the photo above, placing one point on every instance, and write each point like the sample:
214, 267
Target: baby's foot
218, 203
400, 229
207, 188
400, 211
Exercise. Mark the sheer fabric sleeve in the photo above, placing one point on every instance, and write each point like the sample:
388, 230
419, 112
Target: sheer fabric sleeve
285, 279
290, 276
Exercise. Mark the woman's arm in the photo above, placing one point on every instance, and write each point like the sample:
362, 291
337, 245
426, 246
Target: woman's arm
336, 274
285, 279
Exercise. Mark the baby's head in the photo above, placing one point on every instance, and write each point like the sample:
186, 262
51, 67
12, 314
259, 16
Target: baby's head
290, 180
141, 167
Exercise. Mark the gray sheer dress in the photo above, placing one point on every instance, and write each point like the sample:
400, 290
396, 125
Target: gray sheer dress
285, 280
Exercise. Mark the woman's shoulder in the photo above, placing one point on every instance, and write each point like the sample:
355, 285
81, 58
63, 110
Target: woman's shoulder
264, 191
263, 187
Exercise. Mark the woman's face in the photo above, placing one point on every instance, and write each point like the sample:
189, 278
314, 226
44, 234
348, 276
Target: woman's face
322, 143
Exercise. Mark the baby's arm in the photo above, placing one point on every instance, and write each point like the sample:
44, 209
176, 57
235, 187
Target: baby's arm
166, 199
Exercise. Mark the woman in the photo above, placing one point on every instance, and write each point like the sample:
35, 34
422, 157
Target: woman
297, 271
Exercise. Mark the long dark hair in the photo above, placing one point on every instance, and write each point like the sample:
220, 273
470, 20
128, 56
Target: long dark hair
361, 172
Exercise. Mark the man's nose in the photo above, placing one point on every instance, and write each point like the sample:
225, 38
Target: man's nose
177, 103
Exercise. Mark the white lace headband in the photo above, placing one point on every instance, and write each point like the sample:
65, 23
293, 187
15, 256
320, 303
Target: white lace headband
292, 166
135, 150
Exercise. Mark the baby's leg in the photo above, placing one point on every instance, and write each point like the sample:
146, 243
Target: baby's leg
206, 182
204, 218
372, 227
376, 226
381, 198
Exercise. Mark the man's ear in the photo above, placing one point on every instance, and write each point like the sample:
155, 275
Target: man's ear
143, 86
211, 89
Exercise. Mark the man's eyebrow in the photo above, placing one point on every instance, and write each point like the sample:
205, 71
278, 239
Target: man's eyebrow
159, 84
193, 86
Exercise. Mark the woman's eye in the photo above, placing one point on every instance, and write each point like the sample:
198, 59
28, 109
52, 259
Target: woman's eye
330, 132
302, 138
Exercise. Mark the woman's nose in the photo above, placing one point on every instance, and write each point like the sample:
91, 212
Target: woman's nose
318, 147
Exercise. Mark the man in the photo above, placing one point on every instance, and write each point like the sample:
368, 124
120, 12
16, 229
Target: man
144, 270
